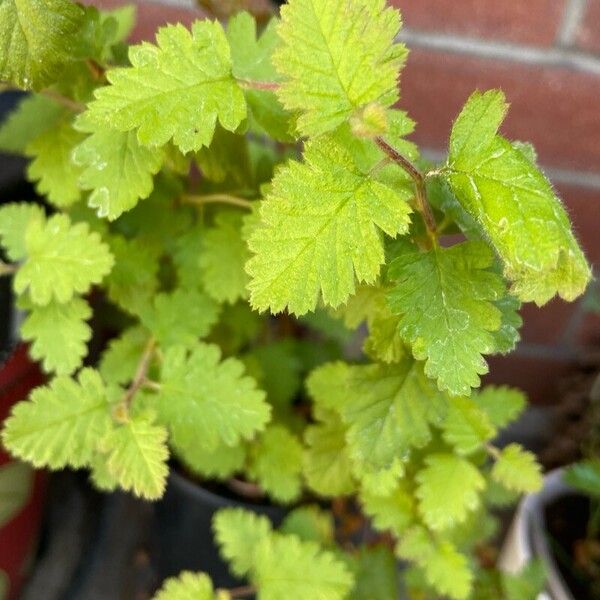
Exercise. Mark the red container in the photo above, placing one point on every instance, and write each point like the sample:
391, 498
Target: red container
18, 537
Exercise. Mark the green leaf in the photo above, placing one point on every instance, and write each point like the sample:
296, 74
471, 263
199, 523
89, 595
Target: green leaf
375, 573
16, 480
448, 489
160, 93
320, 230
517, 469
137, 457
445, 299
187, 586
507, 337
36, 39
502, 404
120, 360
115, 168
276, 463
52, 168
59, 334
238, 532
388, 409
514, 204
445, 569
133, 280
205, 401
181, 317
222, 258
585, 476
333, 64
527, 584
220, 463
467, 427
383, 342
395, 512
327, 463
62, 259
14, 220
31, 118
61, 424
310, 523
251, 56
285, 567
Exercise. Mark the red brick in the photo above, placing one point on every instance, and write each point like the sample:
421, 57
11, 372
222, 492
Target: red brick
151, 16
554, 108
533, 22
545, 324
538, 377
588, 36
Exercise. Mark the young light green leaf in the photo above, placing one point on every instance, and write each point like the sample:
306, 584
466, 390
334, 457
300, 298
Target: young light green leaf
383, 342
36, 39
206, 401
276, 463
116, 169
133, 280
445, 569
467, 427
173, 91
61, 424
137, 457
221, 463
222, 258
327, 463
445, 299
16, 479
120, 360
62, 259
448, 489
514, 204
352, 61
33, 116
517, 469
180, 317
52, 168
14, 220
507, 337
187, 586
388, 409
59, 334
310, 523
395, 512
285, 567
238, 532
251, 57
502, 404
320, 230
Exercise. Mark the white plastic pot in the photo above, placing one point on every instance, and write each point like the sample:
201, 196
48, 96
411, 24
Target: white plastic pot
527, 538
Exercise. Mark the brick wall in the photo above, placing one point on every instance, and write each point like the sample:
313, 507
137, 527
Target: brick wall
545, 55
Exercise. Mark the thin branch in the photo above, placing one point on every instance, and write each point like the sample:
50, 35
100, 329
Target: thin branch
151, 385
139, 378
8, 269
70, 104
419, 181
268, 86
493, 451
216, 198
242, 592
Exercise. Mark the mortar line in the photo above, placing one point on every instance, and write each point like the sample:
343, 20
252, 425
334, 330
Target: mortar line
572, 18
517, 53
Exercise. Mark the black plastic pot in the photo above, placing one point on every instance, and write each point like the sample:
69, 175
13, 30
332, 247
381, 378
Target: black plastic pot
185, 538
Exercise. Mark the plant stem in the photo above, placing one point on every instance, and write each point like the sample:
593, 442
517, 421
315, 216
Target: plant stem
151, 385
140, 375
268, 86
493, 451
216, 198
419, 181
7, 269
68, 102
242, 592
